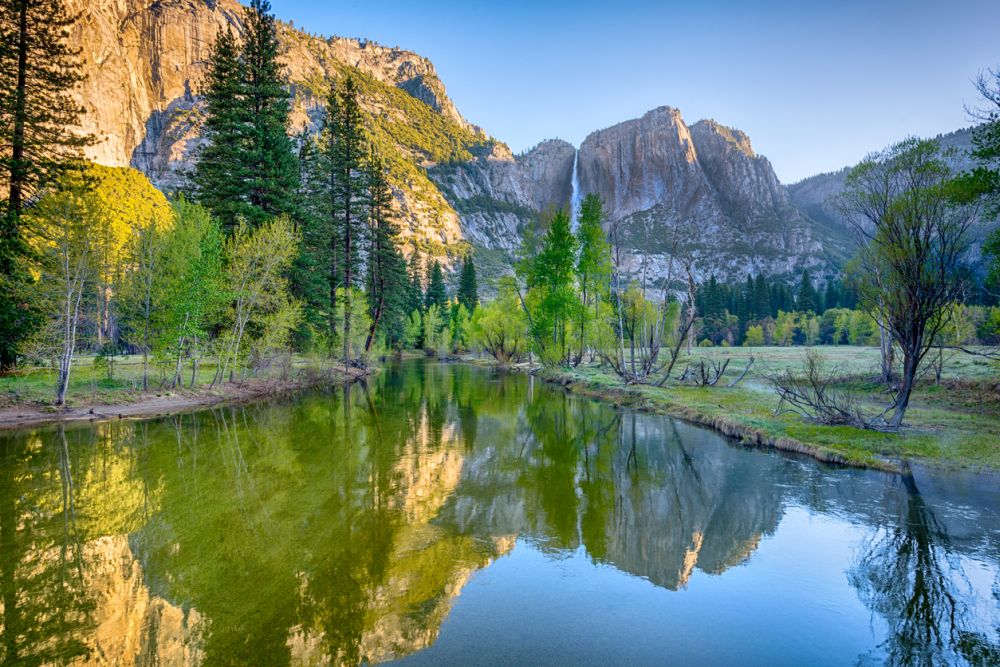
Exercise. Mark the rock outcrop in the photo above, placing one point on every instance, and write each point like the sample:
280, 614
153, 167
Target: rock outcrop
701, 193
143, 64
498, 194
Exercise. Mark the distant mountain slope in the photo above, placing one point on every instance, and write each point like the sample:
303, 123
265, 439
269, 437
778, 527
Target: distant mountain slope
815, 196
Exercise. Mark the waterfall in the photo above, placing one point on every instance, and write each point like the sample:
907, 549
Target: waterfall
574, 198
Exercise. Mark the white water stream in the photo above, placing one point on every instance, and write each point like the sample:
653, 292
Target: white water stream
574, 198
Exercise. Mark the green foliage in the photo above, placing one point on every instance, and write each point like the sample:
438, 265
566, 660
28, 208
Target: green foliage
386, 280
500, 326
262, 313
436, 330
552, 297
754, 336
38, 140
247, 171
437, 294
468, 285
460, 324
190, 293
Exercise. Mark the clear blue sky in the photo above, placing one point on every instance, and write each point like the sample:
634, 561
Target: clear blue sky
816, 84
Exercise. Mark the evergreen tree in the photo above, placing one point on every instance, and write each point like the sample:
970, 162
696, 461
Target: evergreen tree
37, 72
436, 292
387, 281
220, 179
310, 273
831, 299
593, 266
761, 298
551, 279
270, 160
345, 152
468, 286
247, 168
415, 294
807, 300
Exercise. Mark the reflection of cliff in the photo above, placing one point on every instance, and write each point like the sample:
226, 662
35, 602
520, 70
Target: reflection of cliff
645, 494
685, 507
340, 528
131, 625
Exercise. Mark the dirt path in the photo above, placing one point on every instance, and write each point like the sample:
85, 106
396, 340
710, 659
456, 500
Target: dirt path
167, 403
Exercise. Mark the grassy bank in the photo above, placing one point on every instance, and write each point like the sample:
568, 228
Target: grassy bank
955, 424
27, 398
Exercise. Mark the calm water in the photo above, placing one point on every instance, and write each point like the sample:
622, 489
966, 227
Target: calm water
447, 515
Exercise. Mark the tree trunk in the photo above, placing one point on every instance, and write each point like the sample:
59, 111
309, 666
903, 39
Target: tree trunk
17, 171
910, 362
887, 374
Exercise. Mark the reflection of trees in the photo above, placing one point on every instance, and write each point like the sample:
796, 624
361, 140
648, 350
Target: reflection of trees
46, 609
908, 575
637, 493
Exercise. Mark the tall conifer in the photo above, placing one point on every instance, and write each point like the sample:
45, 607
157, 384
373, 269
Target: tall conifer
468, 286
38, 69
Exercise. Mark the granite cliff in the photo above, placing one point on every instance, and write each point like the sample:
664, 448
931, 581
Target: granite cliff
700, 189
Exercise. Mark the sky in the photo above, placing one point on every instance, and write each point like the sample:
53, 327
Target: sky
816, 84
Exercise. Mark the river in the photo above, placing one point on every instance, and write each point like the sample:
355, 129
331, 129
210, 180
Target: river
446, 514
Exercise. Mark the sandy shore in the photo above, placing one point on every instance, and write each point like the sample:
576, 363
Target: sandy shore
167, 403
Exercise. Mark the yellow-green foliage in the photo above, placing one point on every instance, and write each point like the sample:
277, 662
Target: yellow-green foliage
124, 201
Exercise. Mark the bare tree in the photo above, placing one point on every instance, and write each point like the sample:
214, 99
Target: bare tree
816, 395
913, 237
647, 327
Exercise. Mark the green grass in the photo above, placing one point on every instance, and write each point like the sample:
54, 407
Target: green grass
956, 424
89, 383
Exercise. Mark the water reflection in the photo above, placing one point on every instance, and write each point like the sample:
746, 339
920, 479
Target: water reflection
341, 527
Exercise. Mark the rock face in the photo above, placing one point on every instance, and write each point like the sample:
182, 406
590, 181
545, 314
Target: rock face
143, 63
498, 194
699, 192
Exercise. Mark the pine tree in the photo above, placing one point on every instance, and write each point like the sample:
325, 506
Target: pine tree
415, 294
387, 281
270, 160
247, 168
220, 179
806, 300
345, 153
551, 276
37, 72
832, 298
437, 294
761, 298
468, 285
593, 266
310, 274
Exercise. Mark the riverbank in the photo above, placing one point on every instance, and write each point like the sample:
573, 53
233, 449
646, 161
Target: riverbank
955, 425
104, 406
